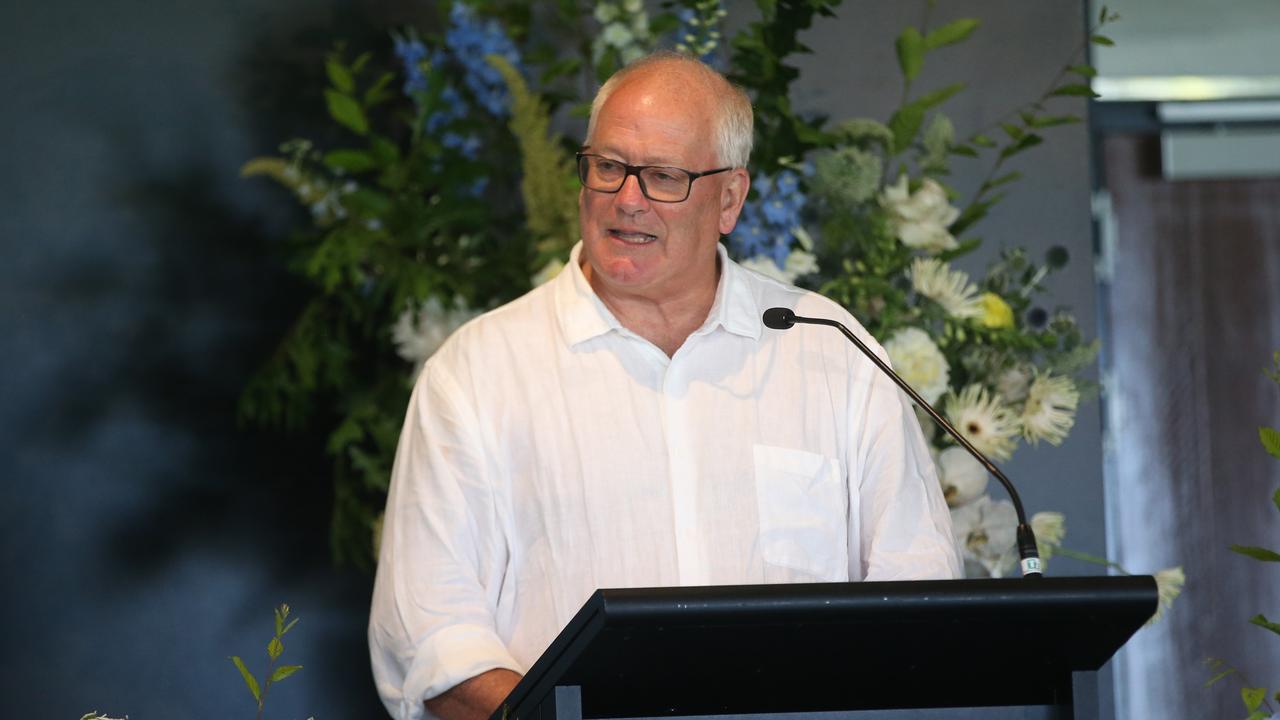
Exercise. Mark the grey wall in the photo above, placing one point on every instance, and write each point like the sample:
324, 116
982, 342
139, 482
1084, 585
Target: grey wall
146, 537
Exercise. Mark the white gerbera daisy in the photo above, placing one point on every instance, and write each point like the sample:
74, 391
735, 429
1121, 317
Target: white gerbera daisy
1169, 584
949, 288
963, 478
986, 531
1049, 529
919, 361
983, 421
1050, 410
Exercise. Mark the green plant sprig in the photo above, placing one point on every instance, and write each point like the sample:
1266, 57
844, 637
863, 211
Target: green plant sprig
275, 648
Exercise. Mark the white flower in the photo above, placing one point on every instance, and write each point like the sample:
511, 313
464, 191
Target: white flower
963, 478
1050, 410
633, 6
985, 530
949, 288
548, 272
799, 263
920, 219
1169, 584
1012, 384
919, 362
418, 334
983, 421
606, 12
617, 35
1049, 529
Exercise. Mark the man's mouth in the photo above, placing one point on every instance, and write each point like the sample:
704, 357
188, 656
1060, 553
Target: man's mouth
633, 238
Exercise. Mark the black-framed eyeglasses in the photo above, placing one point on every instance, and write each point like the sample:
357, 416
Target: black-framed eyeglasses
658, 182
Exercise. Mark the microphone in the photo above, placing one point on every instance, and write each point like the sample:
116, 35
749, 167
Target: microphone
780, 318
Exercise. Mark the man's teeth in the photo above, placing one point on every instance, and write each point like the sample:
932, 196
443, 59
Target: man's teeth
634, 237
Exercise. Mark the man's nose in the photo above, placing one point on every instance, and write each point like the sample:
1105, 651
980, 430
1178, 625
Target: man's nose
630, 196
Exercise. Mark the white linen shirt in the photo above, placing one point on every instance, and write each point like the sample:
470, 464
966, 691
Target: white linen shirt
548, 451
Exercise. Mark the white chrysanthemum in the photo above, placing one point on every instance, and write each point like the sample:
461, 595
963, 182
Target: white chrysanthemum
919, 361
963, 478
1013, 383
986, 531
419, 333
921, 219
949, 288
606, 12
1049, 529
799, 263
986, 423
1050, 410
1169, 584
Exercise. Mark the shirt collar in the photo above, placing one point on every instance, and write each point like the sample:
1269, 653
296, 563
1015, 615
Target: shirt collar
583, 315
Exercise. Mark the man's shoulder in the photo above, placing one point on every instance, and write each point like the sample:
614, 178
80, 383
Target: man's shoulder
517, 326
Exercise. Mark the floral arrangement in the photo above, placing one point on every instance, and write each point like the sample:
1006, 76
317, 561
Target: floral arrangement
418, 226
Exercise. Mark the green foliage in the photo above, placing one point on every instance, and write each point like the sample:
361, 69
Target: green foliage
274, 674
549, 184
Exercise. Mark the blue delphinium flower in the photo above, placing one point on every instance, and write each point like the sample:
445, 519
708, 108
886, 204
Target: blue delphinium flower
468, 145
412, 52
469, 41
455, 108
766, 223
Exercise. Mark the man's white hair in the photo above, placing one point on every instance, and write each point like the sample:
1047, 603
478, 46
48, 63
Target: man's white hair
733, 124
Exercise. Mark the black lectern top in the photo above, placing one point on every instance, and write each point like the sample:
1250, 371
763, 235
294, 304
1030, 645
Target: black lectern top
835, 646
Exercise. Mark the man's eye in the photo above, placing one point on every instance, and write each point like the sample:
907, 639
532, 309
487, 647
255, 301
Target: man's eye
664, 176
608, 166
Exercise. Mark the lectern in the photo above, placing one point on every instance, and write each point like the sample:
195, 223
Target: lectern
837, 650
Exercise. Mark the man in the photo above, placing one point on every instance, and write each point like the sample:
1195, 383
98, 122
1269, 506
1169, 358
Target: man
632, 423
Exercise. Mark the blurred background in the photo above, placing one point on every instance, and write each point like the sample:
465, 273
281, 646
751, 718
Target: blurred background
147, 535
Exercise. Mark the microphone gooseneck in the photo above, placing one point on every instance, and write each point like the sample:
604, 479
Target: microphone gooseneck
780, 318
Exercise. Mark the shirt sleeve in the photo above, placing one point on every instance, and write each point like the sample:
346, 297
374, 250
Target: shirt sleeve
904, 525
442, 559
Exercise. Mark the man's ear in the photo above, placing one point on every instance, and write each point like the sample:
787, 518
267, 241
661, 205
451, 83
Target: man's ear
732, 195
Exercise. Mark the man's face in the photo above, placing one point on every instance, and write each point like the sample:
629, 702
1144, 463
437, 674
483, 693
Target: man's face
639, 247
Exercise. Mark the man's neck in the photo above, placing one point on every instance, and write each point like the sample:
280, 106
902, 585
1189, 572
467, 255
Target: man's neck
665, 321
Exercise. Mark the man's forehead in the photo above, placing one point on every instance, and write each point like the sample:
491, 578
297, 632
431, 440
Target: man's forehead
654, 120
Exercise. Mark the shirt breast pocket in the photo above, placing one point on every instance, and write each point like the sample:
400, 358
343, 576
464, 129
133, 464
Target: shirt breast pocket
803, 510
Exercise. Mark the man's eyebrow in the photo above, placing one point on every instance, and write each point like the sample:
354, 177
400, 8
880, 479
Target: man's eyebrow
648, 160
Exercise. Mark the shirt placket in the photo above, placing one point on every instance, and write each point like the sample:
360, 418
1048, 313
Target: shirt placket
682, 463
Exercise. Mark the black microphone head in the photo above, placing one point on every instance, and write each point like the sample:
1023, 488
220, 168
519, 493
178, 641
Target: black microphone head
779, 318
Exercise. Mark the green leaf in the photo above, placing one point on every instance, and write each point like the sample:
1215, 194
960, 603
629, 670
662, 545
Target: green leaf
1270, 438
274, 648
1275, 499
910, 47
378, 93
1074, 90
1026, 141
1013, 131
1045, 121
1218, 677
950, 34
279, 617
248, 678
937, 97
284, 671
289, 627
350, 160
360, 62
905, 124
345, 110
1261, 621
983, 141
384, 151
1257, 553
997, 182
1102, 40
964, 150
1253, 697
340, 76
1083, 70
